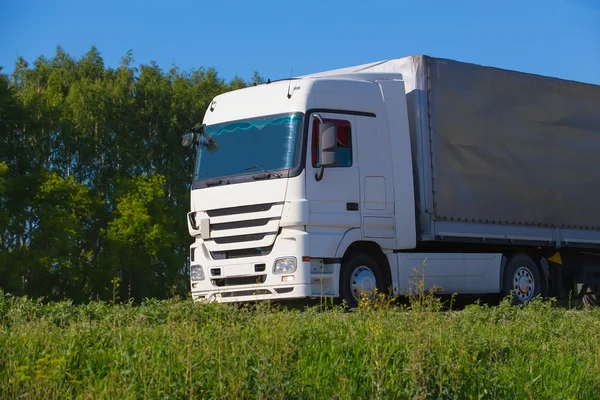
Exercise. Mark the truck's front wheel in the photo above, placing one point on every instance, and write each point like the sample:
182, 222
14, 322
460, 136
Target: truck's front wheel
361, 277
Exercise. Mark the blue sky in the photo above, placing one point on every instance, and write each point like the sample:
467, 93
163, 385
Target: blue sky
559, 38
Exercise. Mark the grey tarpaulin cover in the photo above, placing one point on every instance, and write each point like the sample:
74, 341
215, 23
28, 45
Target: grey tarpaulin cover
515, 147
506, 146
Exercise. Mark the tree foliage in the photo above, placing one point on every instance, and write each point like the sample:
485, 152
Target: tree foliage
94, 183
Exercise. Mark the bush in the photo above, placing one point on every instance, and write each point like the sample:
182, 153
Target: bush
179, 349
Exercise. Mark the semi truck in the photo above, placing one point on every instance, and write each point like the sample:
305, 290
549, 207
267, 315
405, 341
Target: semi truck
409, 172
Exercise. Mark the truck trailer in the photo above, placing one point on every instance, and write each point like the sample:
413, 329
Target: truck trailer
388, 176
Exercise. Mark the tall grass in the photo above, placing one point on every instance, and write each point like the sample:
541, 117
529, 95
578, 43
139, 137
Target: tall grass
180, 350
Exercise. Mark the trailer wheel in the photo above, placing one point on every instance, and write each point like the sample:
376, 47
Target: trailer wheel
522, 279
360, 277
591, 297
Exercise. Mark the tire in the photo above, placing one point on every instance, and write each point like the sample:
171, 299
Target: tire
591, 298
522, 279
360, 271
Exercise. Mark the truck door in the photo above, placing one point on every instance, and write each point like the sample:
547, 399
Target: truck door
333, 201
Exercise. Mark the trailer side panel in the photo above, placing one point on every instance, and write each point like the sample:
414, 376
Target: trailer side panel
513, 148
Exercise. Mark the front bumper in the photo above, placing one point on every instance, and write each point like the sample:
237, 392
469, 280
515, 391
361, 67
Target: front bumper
253, 293
229, 280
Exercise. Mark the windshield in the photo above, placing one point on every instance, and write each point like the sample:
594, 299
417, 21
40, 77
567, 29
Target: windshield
266, 143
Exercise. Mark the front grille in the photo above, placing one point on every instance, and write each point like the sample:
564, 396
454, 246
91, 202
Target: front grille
240, 239
240, 210
252, 223
237, 228
242, 253
240, 280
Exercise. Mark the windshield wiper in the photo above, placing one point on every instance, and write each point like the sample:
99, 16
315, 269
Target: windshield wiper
268, 173
217, 182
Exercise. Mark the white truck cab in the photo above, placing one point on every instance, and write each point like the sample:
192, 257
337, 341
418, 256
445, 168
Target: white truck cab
383, 175
268, 221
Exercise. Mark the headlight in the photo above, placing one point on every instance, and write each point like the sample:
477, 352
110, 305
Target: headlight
196, 273
284, 265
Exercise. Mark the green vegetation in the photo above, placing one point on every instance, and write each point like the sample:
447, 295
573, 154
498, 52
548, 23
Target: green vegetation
174, 349
94, 182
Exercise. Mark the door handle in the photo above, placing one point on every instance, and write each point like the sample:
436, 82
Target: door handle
351, 206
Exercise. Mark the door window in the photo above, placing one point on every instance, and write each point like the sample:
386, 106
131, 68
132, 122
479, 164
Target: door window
343, 148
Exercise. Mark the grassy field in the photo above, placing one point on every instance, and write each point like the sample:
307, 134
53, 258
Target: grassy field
179, 350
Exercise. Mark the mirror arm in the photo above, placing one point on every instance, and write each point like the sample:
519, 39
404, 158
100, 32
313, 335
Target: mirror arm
198, 128
319, 175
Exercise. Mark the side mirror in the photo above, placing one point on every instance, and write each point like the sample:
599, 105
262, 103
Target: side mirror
212, 145
187, 139
328, 141
328, 135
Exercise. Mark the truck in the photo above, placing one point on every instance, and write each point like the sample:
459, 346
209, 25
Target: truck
388, 176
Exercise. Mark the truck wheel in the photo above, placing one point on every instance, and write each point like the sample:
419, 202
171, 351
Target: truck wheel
591, 300
591, 297
522, 279
359, 278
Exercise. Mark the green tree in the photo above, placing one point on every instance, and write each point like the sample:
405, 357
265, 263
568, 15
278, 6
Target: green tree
94, 184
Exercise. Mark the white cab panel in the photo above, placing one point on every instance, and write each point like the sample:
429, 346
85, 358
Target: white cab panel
394, 99
375, 193
378, 227
377, 190
240, 194
259, 100
295, 208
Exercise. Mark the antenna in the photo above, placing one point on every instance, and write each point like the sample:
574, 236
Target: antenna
289, 95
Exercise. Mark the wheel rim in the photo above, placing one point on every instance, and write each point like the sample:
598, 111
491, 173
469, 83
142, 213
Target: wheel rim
362, 283
524, 284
